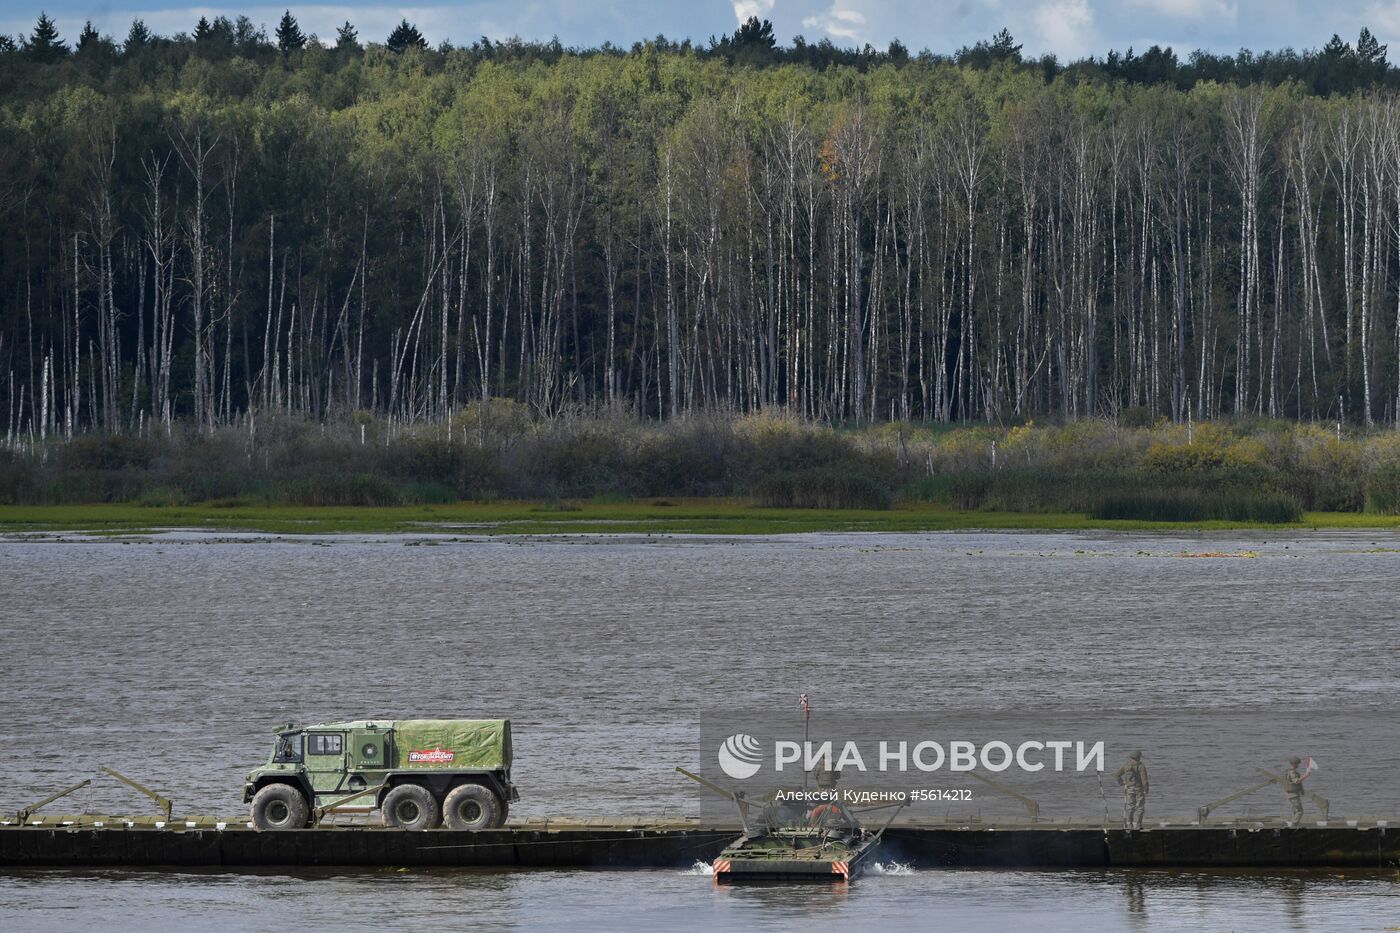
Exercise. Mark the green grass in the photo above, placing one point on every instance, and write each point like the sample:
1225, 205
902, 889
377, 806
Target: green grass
684, 516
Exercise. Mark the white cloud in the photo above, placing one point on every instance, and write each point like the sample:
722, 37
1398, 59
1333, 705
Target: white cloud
1215, 12
839, 22
1386, 18
744, 9
1066, 27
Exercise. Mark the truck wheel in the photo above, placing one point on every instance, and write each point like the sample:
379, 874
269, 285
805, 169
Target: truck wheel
472, 807
279, 806
410, 806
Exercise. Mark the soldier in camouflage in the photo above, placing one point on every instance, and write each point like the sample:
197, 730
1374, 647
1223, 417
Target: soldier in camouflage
1293, 787
1133, 779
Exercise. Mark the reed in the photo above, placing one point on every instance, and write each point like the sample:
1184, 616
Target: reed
1230, 505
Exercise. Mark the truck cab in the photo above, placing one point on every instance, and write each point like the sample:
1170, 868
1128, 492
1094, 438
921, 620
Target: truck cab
419, 773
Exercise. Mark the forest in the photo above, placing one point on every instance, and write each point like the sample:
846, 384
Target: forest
213, 228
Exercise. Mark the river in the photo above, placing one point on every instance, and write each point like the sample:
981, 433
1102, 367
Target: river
170, 657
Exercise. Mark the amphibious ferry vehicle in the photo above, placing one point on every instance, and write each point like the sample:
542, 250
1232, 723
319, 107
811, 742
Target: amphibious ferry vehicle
786, 842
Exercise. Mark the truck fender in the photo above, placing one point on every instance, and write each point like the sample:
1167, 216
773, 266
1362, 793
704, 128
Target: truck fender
296, 781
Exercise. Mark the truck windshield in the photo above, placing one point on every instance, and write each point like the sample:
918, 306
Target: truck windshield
288, 748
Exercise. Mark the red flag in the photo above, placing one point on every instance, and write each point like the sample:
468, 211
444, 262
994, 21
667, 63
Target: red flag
806, 707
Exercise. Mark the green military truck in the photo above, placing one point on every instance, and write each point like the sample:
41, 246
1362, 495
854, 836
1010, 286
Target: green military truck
420, 773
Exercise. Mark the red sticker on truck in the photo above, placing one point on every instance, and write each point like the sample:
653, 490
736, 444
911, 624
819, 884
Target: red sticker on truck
431, 756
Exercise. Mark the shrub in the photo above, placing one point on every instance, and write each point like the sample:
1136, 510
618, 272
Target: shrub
342, 489
495, 422
499, 449
1020, 490
1137, 416
824, 487
106, 452
1313, 466
697, 457
939, 488
160, 497
1383, 490
18, 482
423, 493
1199, 457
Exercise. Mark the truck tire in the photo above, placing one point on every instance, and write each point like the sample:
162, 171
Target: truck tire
473, 807
411, 807
279, 806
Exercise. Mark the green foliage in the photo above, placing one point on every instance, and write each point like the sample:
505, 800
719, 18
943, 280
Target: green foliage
1256, 471
289, 35
1383, 490
347, 38
138, 37
494, 422
1211, 452
213, 40
1022, 490
1137, 416
1081, 466
44, 45
1001, 48
1263, 508
822, 487
363, 489
752, 43
89, 39
108, 452
350, 174
161, 497
404, 37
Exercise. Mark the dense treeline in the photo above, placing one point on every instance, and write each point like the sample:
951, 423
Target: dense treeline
224, 225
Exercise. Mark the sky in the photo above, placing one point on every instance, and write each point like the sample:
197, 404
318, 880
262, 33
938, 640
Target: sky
1068, 28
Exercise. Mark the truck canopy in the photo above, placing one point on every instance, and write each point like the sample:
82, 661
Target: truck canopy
430, 744
452, 744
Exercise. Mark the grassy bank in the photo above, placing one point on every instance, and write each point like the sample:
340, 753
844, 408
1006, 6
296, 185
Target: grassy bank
687, 516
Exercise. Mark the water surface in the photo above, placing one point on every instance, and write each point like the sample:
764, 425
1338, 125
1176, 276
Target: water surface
170, 658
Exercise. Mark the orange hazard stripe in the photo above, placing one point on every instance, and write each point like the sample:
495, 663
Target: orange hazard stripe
840, 868
721, 865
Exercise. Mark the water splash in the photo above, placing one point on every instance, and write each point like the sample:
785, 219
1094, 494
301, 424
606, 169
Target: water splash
895, 869
700, 868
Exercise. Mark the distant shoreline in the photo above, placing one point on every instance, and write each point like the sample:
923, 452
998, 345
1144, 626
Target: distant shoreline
675, 516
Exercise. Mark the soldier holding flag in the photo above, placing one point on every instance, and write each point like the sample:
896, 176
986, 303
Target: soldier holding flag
1293, 785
